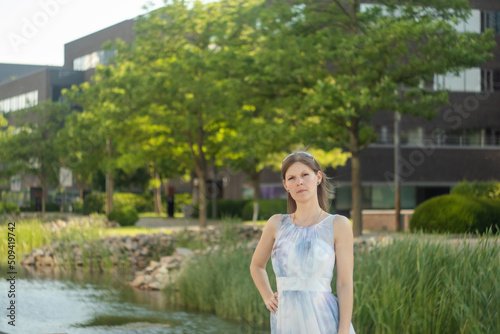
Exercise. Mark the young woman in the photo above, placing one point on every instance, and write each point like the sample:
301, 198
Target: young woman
305, 245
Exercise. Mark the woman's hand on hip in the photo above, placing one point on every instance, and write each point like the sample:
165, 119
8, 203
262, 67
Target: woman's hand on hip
272, 302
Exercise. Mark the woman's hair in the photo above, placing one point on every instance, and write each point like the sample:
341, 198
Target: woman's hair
324, 188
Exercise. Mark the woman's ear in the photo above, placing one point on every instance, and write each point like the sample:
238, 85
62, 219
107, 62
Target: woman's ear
320, 176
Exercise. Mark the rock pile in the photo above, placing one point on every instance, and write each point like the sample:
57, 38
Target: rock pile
159, 274
136, 251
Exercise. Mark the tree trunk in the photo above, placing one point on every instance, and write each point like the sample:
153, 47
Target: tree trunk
255, 176
80, 186
109, 180
157, 192
202, 200
44, 193
355, 180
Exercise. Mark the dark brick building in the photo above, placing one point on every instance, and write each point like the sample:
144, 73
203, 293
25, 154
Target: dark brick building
462, 142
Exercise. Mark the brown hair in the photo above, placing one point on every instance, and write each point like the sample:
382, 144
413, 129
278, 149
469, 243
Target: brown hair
324, 188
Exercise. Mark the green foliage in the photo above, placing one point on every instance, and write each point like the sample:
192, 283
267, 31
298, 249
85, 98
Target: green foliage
220, 282
33, 233
267, 208
77, 206
182, 199
94, 203
49, 207
394, 287
125, 215
8, 208
456, 214
140, 202
39, 124
476, 189
228, 208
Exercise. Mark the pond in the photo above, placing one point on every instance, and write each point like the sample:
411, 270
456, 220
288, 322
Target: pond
82, 303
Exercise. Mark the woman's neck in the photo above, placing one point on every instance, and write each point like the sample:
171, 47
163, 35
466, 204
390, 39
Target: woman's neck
307, 211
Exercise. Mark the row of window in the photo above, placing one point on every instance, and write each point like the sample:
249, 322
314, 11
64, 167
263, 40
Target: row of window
19, 102
460, 137
91, 60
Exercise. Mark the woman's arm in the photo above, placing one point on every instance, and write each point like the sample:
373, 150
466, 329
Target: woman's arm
259, 262
344, 259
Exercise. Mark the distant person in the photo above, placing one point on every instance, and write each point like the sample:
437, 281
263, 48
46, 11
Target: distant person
304, 246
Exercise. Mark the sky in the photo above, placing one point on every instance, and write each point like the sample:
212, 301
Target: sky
35, 31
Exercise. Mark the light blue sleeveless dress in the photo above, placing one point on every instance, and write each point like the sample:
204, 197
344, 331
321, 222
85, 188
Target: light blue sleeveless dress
303, 259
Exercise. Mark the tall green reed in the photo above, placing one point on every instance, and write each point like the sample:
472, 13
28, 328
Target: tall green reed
418, 284
33, 233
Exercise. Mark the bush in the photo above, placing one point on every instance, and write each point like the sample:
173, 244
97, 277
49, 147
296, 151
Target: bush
228, 207
8, 208
455, 214
49, 207
77, 206
94, 203
267, 208
142, 203
180, 200
477, 189
126, 215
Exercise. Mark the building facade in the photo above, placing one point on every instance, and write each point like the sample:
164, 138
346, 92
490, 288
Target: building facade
461, 143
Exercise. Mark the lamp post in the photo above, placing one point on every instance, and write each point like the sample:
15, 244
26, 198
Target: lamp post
397, 154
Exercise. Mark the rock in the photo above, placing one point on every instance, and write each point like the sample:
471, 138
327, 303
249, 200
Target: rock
138, 281
157, 285
183, 252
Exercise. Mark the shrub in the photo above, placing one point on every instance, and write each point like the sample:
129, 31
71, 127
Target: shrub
142, 203
267, 208
489, 189
455, 214
8, 208
94, 203
125, 215
180, 200
77, 206
228, 207
49, 207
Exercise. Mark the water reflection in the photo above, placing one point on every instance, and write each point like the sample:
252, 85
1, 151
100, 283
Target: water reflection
66, 301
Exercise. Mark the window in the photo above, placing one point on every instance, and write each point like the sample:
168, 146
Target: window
491, 20
466, 81
416, 136
490, 80
91, 60
18, 102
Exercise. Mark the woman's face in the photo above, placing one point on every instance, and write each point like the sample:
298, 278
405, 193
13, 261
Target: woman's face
301, 180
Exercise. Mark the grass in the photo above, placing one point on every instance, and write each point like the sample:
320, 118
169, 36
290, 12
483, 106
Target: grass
133, 230
33, 233
163, 215
415, 285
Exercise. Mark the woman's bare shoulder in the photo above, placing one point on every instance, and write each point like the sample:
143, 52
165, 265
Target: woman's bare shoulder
272, 225
274, 221
341, 226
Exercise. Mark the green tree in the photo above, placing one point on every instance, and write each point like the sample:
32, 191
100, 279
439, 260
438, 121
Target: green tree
367, 55
188, 56
29, 145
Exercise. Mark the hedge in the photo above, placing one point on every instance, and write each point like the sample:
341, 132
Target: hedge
456, 214
267, 208
125, 215
93, 203
8, 208
489, 189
